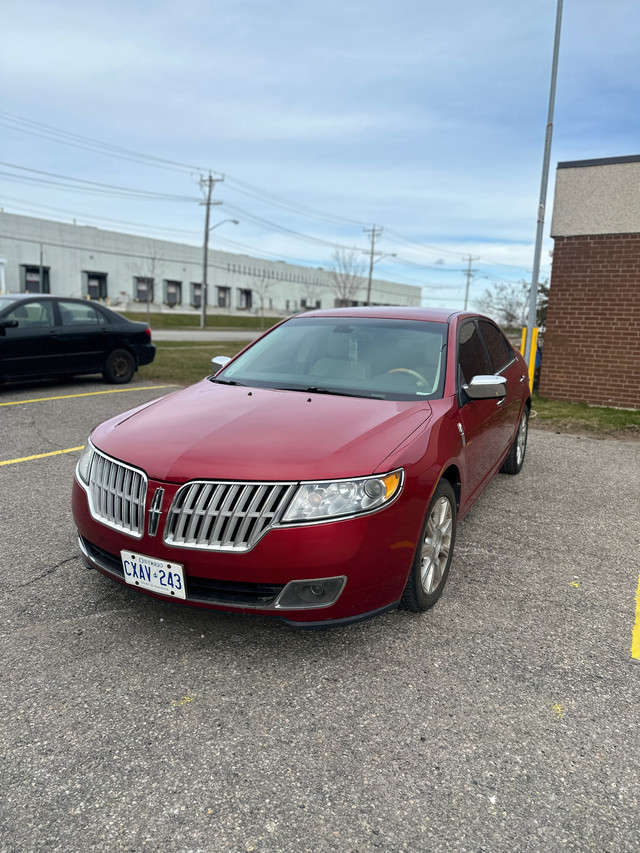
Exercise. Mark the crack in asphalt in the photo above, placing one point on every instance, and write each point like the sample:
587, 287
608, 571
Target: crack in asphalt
44, 574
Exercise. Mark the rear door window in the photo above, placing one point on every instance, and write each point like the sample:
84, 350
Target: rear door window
499, 348
78, 314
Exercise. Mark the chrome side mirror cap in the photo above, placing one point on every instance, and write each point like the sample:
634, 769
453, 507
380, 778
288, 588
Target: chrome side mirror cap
486, 387
219, 362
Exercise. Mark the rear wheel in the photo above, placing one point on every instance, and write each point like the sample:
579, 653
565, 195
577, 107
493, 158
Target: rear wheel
433, 555
119, 367
515, 460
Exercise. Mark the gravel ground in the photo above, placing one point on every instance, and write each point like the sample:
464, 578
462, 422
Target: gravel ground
503, 720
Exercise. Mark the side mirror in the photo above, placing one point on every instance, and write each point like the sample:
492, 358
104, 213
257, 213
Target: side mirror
219, 362
7, 324
486, 387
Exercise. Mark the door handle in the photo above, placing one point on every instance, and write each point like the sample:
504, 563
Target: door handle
523, 377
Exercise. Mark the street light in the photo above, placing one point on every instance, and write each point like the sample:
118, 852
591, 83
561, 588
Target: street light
203, 293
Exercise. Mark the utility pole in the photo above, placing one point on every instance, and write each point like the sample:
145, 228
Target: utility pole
373, 233
533, 296
469, 271
206, 183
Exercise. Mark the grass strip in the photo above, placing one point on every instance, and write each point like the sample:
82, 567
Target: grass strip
229, 322
183, 362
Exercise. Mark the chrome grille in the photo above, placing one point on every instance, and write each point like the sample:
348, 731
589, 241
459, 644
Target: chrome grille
117, 495
224, 516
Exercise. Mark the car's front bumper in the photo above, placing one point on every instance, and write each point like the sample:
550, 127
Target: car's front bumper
372, 552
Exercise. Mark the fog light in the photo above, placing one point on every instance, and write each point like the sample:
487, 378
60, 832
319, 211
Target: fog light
319, 592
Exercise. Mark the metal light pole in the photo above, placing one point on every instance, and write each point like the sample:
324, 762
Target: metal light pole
533, 298
203, 295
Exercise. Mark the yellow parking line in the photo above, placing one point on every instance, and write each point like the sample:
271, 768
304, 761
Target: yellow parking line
635, 641
87, 394
41, 455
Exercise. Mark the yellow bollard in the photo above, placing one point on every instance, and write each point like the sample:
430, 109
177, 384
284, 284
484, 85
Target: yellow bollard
532, 359
533, 351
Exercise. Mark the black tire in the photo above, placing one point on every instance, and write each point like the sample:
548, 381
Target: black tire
119, 367
431, 562
515, 460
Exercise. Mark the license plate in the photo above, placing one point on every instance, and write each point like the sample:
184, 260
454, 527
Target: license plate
153, 574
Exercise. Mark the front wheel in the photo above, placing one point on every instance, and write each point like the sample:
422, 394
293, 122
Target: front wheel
515, 460
119, 367
432, 559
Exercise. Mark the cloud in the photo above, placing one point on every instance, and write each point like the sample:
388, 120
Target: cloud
424, 117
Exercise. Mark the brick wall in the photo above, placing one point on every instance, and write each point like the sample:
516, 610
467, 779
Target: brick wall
592, 342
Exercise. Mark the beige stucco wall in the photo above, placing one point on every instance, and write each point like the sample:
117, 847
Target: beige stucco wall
603, 198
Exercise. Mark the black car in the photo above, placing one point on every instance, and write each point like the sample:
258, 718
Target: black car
43, 335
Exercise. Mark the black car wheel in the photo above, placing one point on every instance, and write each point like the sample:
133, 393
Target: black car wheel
119, 367
515, 460
434, 552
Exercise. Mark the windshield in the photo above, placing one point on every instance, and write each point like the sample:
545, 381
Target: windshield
368, 357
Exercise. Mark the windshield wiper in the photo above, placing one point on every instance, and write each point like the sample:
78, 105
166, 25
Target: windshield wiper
315, 389
225, 381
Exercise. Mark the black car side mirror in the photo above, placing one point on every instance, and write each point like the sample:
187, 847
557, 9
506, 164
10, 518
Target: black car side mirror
7, 324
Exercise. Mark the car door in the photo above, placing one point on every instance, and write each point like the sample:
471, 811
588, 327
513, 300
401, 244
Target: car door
83, 336
482, 421
30, 348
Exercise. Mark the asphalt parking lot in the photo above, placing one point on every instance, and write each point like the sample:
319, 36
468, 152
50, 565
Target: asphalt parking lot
506, 719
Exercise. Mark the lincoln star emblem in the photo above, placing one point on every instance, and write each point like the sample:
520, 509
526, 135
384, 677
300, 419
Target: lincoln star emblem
155, 511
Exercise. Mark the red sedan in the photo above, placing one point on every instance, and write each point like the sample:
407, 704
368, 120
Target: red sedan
318, 476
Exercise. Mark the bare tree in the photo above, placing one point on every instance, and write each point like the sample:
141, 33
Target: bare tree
262, 286
346, 271
147, 268
508, 303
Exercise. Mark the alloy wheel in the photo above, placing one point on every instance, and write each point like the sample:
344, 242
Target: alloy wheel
436, 545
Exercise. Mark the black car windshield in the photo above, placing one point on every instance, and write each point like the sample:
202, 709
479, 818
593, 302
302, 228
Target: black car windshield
367, 357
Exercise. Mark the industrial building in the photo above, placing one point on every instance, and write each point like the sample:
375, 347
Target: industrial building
128, 272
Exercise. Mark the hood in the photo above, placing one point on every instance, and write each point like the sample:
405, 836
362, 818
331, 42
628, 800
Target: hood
238, 433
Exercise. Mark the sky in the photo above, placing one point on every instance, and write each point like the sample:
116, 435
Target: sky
424, 119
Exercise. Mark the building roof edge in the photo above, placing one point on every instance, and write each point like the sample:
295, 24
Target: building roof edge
604, 161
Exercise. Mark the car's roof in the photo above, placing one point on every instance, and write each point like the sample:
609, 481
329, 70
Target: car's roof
388, 312
15, 297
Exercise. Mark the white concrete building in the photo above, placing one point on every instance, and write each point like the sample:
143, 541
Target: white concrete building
126, 271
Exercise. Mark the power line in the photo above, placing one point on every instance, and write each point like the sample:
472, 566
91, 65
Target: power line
85, 143
92, 186
71, 184
91, 217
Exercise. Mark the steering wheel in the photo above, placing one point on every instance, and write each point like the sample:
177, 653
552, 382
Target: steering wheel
420, 378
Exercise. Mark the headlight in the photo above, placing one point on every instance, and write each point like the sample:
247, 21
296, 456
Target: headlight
336, 498
83, 468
